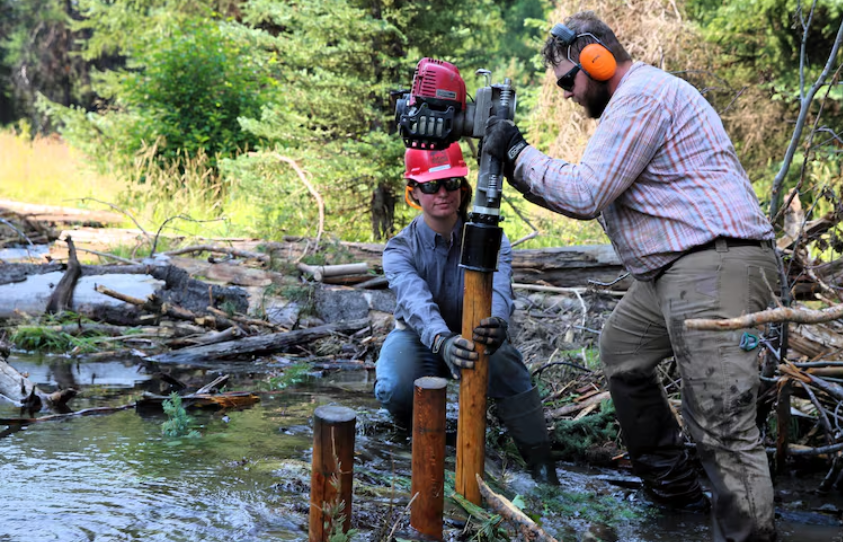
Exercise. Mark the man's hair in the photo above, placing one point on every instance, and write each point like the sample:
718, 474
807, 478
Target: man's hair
584, 22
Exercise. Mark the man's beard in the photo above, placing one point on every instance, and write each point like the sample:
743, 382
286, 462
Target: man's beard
597, 98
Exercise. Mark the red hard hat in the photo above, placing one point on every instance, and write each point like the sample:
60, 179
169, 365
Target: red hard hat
423, 165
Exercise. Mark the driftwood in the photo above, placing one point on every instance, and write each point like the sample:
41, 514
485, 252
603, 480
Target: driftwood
212, 337
56, 417
245, 320
20, 391
155, 305
230, 399
262, 344
567, 410
62, 298
509, 512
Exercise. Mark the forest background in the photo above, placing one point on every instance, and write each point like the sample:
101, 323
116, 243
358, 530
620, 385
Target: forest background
267, 118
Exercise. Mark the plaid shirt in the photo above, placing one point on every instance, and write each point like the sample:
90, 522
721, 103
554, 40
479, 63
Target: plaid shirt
660, 169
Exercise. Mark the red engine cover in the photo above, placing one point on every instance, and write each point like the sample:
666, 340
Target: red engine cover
439, 80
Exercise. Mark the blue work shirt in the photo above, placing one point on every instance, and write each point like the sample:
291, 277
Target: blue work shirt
423, 271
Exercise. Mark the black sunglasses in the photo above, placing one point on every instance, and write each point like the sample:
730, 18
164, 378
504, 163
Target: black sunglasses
566, 82
432, 187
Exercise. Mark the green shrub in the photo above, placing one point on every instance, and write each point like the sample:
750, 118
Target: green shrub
193, 86
178, 424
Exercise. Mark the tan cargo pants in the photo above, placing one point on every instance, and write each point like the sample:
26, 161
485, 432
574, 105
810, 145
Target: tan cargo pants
719, 383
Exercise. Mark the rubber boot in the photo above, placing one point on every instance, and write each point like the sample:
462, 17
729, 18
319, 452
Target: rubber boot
654, 441
523, 416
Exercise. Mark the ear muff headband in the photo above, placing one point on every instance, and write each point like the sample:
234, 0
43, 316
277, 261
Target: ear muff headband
598, 62
409, 199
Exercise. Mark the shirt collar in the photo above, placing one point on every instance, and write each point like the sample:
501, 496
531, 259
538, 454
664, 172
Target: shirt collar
635, 65
428, 236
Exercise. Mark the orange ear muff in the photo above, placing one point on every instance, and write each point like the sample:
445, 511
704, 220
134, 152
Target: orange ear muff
409, 199
598, 62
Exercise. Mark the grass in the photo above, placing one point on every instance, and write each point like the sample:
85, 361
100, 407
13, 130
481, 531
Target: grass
187, 201
45, 170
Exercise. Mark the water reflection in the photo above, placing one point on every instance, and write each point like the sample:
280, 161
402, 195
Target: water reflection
114, 477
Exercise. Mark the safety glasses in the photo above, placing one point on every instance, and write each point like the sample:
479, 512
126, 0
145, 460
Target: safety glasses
432, 187
566, 82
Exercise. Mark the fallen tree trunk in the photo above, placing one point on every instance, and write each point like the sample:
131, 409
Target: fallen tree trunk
20, 391
261, 344
28, 288
562, 266
61, 215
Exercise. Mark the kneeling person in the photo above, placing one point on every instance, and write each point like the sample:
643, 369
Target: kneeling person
422, 266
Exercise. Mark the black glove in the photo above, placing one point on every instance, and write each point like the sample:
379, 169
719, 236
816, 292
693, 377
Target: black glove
457, 352
503, 140
491, 332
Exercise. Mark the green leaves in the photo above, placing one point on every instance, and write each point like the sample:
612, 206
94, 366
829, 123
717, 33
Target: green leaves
178, 424
191, 88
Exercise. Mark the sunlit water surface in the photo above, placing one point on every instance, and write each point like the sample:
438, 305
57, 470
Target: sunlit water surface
115, 477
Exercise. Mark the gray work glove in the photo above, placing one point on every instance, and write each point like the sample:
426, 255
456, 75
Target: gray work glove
457, 352
491, 332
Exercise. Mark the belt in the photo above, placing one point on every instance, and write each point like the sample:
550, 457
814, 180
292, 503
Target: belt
729, 242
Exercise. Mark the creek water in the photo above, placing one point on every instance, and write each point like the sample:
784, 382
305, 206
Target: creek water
115, 477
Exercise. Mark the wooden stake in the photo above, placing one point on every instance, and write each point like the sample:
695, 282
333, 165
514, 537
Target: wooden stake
471, 431
428, 483
332, 470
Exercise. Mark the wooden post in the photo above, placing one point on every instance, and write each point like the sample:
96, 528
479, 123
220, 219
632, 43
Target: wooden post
428, 456
471, 431
332, 471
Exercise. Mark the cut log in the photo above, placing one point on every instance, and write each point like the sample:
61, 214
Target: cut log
262, 344
321, 272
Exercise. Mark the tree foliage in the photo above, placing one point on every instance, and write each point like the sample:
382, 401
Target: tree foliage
310, 80
243, 81
38, 56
